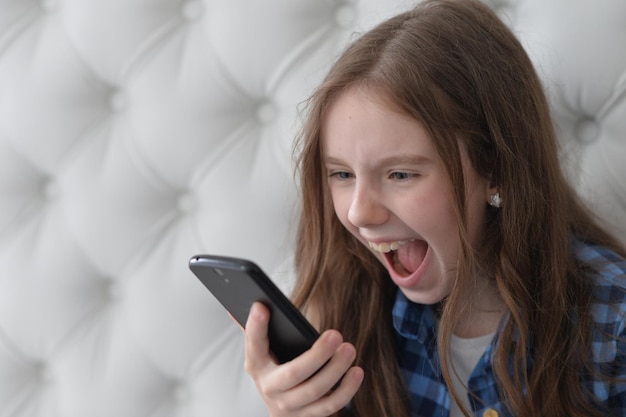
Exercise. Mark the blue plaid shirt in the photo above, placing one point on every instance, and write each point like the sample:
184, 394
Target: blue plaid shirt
415, 326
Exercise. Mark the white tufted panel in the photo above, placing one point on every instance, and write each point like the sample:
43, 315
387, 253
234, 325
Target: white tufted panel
136, 133
579, 50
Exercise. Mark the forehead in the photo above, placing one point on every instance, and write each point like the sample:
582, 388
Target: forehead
360, 119
365, 126
357, 95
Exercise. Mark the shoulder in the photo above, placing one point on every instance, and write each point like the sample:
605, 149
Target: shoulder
599, 256
608, 344
608, 271
607, 268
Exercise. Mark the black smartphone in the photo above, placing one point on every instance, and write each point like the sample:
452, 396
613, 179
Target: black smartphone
238, 283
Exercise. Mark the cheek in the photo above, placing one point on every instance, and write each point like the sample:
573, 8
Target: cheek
432, 211
341, 205
337, 203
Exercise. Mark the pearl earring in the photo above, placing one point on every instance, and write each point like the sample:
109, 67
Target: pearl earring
495, 200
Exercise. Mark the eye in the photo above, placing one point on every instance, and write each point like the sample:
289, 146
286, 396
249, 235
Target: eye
341, 175
401, 176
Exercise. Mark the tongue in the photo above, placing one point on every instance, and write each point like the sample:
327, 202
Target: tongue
411, 254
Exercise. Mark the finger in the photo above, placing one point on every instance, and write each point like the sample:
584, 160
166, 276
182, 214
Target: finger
310, 362
325, 380
257, 351
331, 374
342, 396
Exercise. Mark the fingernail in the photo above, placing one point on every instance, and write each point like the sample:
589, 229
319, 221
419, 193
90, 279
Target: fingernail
358, 374
256, 312
334, 339
348, 352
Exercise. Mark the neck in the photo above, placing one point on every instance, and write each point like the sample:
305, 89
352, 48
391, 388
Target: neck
478, 323
482, 315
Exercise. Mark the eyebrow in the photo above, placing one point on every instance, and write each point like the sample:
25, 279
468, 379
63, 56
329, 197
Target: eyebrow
392, 160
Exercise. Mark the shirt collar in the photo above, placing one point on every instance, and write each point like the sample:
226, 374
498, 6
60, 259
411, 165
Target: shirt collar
413, 321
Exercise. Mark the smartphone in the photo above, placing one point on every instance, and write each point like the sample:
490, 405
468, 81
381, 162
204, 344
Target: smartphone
238, 283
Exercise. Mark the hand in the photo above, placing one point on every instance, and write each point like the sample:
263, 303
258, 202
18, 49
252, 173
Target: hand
303, 386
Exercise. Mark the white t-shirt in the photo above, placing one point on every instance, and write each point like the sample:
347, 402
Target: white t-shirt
465, 354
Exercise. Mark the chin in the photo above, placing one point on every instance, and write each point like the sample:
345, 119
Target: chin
423, 297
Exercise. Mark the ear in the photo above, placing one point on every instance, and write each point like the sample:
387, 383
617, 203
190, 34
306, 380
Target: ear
492, 195
492, 188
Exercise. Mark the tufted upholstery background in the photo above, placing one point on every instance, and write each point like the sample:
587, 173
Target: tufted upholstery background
136, 133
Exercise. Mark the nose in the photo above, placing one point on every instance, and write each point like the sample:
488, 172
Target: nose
367, 208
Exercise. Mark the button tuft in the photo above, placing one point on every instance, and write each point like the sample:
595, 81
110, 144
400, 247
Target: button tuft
114, 292
186, 203
118, 101
505, 9
181, 393
49, 6
344, 16
266, 112
44, 374
588, 130
192, 10
50, 189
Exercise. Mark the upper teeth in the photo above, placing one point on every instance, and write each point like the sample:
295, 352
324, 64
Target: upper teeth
385, 247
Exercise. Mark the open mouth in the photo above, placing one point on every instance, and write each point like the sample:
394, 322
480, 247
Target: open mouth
403, 256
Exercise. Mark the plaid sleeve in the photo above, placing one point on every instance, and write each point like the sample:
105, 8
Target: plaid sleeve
609, 313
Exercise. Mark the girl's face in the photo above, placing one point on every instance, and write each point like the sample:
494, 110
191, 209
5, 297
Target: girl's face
390, 191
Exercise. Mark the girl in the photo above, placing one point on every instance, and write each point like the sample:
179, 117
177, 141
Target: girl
440, 240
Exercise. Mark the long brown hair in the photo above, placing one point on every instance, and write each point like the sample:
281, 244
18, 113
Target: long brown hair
456, 68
